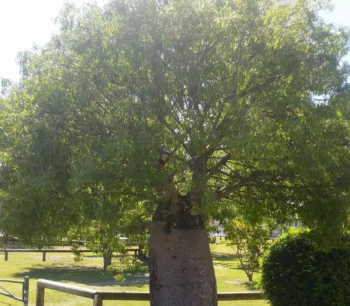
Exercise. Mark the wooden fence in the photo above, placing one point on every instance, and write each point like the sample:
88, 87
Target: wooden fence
99, 296
25, 290
7, 251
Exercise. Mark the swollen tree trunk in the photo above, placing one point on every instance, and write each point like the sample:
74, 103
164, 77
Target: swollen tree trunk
181, 267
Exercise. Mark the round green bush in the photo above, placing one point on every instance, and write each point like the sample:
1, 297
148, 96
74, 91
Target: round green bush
296, 273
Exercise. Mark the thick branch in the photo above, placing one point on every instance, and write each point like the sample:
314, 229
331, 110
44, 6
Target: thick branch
250, 89
226, 191
218, 165
175, 134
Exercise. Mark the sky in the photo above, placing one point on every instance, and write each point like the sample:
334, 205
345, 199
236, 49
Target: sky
24, 23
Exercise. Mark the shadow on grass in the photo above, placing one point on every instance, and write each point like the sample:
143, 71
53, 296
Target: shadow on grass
223, 256
226, 260
91, 276
251, 286
231, 262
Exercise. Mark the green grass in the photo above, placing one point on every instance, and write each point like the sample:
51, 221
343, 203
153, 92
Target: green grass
88, 273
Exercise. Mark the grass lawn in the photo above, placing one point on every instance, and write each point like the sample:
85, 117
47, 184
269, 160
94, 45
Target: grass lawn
88, 273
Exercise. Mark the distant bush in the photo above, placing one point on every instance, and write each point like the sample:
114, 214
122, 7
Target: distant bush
296, 273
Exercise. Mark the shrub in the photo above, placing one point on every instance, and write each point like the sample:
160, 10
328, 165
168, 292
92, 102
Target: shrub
295, 272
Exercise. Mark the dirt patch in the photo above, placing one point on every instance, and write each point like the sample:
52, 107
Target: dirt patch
233, 282
219, 267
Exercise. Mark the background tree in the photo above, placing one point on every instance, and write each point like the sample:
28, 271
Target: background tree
178, 112
249, 241
5, 84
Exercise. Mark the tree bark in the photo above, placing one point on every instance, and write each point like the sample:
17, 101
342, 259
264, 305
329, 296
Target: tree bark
141, 255
250, 277
107, 256
181, 267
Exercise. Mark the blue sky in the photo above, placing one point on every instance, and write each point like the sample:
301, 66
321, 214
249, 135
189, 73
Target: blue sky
340, 13
27, 22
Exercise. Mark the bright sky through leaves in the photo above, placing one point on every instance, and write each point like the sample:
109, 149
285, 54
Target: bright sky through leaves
27, 22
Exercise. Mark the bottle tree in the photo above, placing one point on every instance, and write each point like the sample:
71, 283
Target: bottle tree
174, 113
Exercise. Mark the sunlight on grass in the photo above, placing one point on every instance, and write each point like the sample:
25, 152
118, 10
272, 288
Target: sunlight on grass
89, 273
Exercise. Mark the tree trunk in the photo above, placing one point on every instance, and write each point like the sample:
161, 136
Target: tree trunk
181, 267
141, 255
107, 256
250, 277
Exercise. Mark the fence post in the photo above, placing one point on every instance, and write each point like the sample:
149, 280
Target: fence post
25, 293
6, 255
44, 256
98, 301
40, 294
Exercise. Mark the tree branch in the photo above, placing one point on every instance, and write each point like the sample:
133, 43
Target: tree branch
258, 87
218, 165
226, 191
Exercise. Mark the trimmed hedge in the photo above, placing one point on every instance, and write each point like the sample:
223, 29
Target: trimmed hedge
296, 273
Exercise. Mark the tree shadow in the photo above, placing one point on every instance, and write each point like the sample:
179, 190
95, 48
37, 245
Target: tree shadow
224, 256
230, 261
251, 286
90, 276
225, 260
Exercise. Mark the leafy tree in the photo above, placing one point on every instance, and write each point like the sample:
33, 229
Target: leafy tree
249, 241
176, 112
99, 238
5, 84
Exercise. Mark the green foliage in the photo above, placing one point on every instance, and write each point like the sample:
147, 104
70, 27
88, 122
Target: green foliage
249, 242
136, 103
5, 84
297, 272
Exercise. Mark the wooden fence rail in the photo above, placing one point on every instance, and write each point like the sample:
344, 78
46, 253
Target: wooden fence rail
25, 290
99, 296
44, 251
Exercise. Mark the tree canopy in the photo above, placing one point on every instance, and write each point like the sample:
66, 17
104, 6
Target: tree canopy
136, 104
